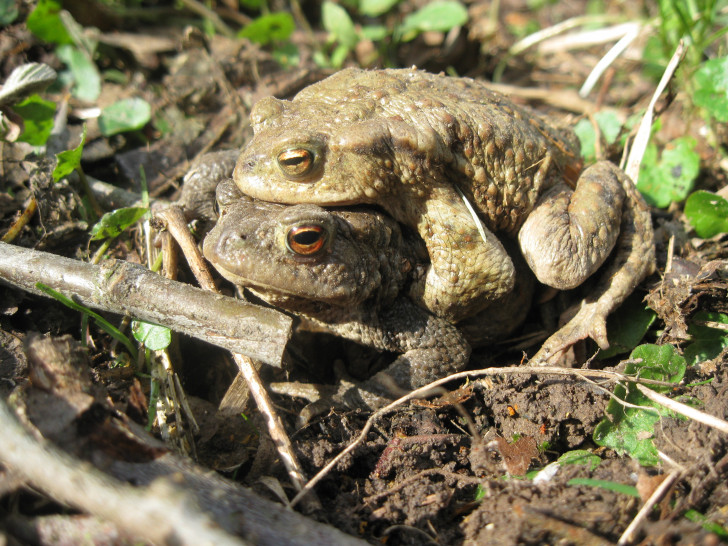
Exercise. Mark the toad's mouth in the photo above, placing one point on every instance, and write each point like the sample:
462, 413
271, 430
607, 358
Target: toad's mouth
239, 280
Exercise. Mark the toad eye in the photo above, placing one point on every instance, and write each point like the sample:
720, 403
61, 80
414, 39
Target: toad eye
296, 162
306, 240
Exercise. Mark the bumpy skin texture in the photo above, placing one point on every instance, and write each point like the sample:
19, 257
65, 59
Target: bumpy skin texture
412, 142
347, 273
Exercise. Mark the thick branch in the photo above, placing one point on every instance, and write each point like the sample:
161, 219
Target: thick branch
125, 288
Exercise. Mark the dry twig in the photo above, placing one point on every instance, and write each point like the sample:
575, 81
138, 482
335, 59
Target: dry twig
125, 288
161, 514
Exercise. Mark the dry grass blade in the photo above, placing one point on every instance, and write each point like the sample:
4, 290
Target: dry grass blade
643, 133
615, 51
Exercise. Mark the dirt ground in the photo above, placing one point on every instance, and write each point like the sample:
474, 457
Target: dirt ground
473, 465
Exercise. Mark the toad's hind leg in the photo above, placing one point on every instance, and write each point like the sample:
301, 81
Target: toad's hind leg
633, 259
570, 233
469, 266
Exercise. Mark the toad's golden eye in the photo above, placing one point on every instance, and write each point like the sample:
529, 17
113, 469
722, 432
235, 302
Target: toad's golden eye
296, 162
306, 240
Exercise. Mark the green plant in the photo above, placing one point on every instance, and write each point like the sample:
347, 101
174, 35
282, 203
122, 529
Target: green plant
344, 34
669, 176
273, 29
709, 336
24, 115
629, 424
100, 321
707, 213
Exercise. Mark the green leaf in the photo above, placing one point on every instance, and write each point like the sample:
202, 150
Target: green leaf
37, 117
627, 326
604, 484
45, 22
584, 131
609, 124
8, 11
85, 74
711, 87
629, 429
707, 343
337, 22
153, 336
710, 526
124, 115
100, 321
707, 213
274, 27
439, 16
70, 160
671, 178
375, 33
113, 223
374, 8
580, 456
659, 362
480, 493
338, 56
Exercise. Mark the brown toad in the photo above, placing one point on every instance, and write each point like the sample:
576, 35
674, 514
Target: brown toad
346, 271
422, 146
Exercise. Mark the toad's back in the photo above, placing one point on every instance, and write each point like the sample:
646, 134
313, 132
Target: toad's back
458, 130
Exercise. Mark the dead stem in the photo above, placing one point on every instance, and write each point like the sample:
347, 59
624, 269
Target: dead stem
21, 222
175, 221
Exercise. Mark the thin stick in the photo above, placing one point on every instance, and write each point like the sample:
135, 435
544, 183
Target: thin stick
275, 426
125, 288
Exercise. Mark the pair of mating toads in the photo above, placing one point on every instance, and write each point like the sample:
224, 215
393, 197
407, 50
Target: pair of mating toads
397, 260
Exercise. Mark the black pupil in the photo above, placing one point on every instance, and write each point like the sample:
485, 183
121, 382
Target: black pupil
294, 160
307, 237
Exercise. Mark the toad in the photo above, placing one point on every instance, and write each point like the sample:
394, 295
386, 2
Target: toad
424, 147
346, 272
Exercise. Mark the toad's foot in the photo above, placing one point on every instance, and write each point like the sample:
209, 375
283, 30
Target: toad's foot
198, 190
430, 348
589, 321
632, 261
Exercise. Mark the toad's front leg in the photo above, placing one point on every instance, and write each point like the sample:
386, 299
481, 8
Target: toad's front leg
469, 266
430, 348
570, 234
